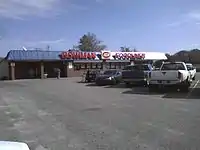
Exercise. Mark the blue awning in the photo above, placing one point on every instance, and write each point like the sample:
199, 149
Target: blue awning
36, 55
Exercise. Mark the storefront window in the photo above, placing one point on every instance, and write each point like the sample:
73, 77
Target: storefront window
88, 65
112, 65
107, 65
99, 66
118, 65
83, 66
123, 64
94, 65
77, 66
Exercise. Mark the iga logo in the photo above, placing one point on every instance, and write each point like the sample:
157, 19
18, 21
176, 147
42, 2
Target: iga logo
106, 55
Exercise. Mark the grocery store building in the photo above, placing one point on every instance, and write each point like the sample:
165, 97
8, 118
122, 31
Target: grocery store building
21, 64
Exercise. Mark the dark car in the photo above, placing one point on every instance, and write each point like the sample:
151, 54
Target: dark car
136, 74
109, 77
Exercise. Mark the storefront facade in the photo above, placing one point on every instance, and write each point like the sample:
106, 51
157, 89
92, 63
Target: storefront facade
34, 64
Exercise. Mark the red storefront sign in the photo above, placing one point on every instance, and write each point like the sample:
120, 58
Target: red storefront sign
78, 55
130, 55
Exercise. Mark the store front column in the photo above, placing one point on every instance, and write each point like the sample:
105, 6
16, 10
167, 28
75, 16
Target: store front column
42, 70
12, 70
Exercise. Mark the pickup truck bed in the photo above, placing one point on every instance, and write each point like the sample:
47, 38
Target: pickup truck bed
136, 74
178, 77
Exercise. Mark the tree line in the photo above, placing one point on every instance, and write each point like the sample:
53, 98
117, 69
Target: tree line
89, 42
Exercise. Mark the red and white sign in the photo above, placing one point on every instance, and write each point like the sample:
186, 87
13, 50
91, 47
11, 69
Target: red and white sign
78, 55
105, 54
130, 55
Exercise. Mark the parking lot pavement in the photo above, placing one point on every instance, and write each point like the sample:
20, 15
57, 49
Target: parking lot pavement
63, 114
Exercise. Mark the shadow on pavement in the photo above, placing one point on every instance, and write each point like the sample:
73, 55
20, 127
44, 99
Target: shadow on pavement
166, 93
116, 86
80, 82
93, 84
122, 85
140, 91
192, 94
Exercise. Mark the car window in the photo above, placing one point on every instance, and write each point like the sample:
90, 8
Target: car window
173, 66
189, 67
137, 67
110, 72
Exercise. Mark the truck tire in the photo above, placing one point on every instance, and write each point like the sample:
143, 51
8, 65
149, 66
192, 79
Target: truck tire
185, 87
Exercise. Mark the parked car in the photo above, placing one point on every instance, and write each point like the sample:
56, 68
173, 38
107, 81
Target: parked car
171, 74
136, 74
192, 70
109, 77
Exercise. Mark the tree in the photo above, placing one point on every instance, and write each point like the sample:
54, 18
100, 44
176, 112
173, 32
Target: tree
89, 42
135, 50
125, 49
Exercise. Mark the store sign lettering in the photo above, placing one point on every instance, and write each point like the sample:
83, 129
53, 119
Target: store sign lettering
130, 55
78, 55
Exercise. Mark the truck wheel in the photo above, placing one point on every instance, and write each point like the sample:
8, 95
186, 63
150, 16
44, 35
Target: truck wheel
184, 89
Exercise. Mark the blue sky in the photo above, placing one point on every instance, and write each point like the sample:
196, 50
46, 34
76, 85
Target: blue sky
147, 25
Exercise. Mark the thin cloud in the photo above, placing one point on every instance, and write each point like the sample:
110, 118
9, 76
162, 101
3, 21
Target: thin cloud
19, 9
174, 24
126, 31
99, 1
195, 15
52, 41
190, 17
77, 7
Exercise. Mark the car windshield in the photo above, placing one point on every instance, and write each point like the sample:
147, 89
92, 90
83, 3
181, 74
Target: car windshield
173, 66
137, 67
189, 67
109, 72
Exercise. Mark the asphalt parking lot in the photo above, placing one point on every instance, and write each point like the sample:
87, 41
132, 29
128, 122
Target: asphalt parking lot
65, 115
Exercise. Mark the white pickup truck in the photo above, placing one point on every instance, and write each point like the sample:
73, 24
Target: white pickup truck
192, 70
174, 74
